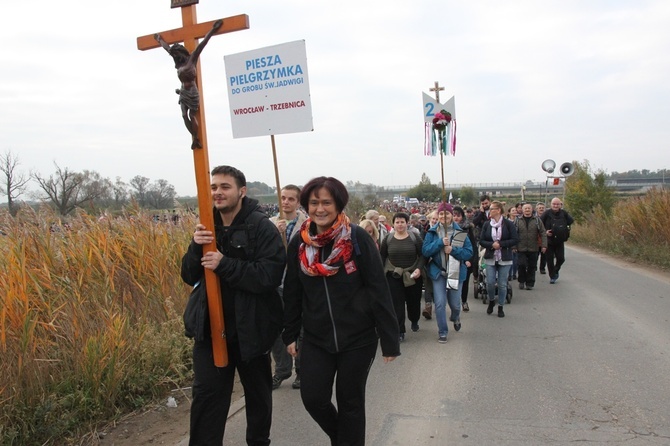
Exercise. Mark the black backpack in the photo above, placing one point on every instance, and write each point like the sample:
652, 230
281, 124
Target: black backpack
559, 227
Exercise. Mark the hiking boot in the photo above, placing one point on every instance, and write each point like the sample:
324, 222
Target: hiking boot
492, 304
466, 307
428, 311
277, 380
501, 313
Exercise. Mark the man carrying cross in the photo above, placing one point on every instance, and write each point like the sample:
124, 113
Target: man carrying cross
186, 65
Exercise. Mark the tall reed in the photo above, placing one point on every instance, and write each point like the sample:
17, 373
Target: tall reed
90, 320
637, 229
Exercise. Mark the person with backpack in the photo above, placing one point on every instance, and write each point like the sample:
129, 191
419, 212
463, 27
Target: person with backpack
403, 261
249, 263
557, 222
336, 290
531, 236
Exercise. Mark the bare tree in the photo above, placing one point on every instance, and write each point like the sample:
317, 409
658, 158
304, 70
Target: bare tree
161, 195
67, 190
140, 184
120, 193
13, 183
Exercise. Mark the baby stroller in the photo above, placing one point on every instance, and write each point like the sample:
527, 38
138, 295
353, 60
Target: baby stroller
480, 283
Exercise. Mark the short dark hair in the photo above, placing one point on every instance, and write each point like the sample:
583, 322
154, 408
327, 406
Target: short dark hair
484, 197
459, 210
332, 185
292, 187
401, 215
240, 179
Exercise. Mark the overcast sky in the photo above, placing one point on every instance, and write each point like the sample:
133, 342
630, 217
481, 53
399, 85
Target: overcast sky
567, 80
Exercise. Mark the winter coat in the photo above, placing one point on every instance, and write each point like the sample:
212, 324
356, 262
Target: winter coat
345, 311
508, 240
433, 247
249, 273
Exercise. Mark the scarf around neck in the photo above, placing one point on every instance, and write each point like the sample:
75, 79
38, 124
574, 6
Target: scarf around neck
496, 234
309, 252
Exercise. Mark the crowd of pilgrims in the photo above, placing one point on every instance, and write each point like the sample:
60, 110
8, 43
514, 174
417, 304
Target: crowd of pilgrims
434, 251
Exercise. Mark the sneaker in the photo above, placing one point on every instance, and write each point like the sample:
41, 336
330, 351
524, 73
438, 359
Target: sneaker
466, 307
522, 285
442, 339
457, 325
501, 313
557, 275
401, 338
492, 304
543, 271
552, 281
415, 326
428, 311
529, 287
277, 380
296, 382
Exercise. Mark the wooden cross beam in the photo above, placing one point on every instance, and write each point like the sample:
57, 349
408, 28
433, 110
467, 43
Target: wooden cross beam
437, 89
189, 33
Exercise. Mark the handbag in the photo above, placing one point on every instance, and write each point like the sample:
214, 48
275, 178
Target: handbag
196, 312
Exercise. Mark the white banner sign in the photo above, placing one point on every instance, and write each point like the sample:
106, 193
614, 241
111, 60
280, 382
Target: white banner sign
431, 106
268, 90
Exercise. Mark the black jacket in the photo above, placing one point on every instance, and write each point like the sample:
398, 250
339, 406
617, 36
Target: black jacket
249, 273
344, 311
508, 239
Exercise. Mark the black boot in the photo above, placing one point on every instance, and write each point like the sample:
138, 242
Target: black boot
492, 304
501, 313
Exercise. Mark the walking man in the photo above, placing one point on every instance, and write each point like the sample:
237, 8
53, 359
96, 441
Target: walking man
557, 222
289, 226
532, 236
249, 262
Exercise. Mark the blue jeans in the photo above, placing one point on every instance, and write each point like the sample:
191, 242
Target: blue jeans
441, 295
502, 272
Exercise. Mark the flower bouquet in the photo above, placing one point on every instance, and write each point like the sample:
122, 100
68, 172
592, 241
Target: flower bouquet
441, 120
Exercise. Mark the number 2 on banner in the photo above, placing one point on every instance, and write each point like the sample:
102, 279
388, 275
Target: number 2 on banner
429, 109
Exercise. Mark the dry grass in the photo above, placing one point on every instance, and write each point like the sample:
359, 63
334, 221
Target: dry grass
638, 229
90, 321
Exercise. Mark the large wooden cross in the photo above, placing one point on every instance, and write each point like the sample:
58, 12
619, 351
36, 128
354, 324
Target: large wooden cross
189, 33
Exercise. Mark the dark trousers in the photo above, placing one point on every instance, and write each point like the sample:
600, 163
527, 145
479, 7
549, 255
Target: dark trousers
527, 267
465, 286
283, 360
344, 424
543, 260
212, 392
555, 258
405, 296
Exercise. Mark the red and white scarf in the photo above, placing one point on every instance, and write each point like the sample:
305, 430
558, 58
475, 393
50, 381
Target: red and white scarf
310, 250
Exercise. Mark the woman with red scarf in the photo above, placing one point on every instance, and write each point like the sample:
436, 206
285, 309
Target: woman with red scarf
335, 288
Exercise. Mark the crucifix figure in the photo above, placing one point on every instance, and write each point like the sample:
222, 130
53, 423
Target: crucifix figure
186, 65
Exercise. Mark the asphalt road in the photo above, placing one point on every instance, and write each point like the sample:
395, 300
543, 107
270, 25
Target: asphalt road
586, 360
